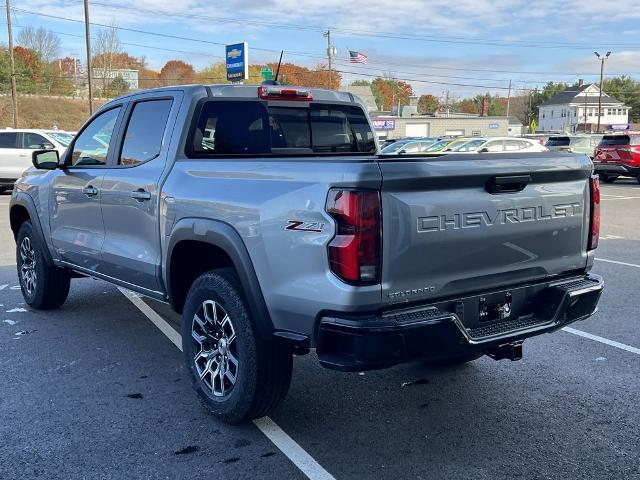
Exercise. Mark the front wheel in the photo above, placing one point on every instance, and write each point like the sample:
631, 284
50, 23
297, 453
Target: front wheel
43, 287
638, 178
237, 375
608, 179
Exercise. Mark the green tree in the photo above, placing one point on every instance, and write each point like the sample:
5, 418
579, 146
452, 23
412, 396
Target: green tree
428, 104
117, 87
627, 90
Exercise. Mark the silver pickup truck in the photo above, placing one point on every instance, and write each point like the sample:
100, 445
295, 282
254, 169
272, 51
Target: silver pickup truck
264, 215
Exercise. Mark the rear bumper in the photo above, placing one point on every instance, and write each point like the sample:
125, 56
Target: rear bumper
429, 332
616, 169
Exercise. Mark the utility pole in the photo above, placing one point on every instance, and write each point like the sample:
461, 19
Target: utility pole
602, 59
88, 42
14, 93
330, 53
509, 99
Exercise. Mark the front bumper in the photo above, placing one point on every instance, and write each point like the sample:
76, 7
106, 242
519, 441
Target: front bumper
443, 329
613, 169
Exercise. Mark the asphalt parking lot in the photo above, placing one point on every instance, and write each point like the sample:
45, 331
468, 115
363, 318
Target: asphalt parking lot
95, 390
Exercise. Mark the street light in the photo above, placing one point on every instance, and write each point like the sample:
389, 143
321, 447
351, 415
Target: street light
602, 59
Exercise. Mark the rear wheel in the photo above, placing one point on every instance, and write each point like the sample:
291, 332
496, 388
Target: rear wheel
608, 178
237, 375
43, 287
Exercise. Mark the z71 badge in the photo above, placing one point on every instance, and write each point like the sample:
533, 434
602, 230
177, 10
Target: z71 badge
304, 226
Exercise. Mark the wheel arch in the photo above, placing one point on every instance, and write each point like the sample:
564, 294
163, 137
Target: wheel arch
21, 209
224, 248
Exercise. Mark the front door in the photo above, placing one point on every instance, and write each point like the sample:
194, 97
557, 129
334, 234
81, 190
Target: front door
77, 229
130, 193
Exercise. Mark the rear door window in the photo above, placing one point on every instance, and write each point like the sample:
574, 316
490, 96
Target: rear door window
143, 138
513, 145
8, 140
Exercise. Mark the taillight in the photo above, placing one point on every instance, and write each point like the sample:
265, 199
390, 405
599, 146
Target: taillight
284, 93
354, 252
595, 213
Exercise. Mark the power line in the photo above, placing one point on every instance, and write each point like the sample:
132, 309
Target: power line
313, 55
377, 34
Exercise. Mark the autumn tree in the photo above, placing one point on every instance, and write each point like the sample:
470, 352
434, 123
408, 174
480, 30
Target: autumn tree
390, 92
177, 72
40, 40
428, 104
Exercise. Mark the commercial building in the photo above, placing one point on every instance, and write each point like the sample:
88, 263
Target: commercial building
576, 110
387, 126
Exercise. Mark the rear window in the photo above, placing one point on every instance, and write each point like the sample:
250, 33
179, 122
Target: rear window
611, 140
558, 142
250, 128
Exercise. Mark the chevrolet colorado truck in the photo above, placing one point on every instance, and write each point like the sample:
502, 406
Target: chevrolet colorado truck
264, 215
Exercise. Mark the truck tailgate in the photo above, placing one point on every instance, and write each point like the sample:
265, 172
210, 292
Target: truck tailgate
459, 224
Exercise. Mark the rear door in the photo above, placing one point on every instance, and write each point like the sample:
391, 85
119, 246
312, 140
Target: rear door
448, 230
13, 158
130, 191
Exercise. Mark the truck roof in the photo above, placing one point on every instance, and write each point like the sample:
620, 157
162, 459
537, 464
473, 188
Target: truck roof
251, 91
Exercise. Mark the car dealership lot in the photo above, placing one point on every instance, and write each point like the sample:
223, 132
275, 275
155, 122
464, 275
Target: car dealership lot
95, 390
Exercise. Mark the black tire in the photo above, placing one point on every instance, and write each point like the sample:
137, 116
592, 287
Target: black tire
43, 287
638, 178
262, 369
607, 178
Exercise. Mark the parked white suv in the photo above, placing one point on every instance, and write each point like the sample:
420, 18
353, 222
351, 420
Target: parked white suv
499, 145
16, 146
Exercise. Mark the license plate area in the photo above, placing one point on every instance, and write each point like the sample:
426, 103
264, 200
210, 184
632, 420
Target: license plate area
490, 312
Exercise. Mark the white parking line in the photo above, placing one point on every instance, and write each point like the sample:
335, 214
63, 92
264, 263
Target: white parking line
294, 452
606, 341
618, 263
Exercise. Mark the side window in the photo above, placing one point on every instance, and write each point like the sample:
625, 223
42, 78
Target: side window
92, 145
8, 140
232, 127
494, 146
35, 141
512, 145
143, 137
412, 147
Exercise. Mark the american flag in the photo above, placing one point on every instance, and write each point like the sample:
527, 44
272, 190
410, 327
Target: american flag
357, 57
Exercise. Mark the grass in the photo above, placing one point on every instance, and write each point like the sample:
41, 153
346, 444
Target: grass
46, 112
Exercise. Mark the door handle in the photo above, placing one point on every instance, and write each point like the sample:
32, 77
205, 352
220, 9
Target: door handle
508, 184
90, 191
141, 195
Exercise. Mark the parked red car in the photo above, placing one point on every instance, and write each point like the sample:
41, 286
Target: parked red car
618, 156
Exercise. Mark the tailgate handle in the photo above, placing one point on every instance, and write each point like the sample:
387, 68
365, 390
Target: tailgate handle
508, 184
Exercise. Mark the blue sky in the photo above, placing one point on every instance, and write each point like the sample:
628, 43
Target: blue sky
477, 44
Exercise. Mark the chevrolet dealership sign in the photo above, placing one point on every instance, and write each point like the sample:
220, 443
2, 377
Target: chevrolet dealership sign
237, 61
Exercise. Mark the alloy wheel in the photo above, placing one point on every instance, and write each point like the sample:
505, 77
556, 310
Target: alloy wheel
28, 266
215, 353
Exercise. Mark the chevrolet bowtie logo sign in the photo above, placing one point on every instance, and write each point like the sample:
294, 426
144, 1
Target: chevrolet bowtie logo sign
233, 54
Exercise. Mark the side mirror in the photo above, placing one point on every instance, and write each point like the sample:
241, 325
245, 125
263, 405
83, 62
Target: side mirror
45, 159
484, 150
402, 151
47, 146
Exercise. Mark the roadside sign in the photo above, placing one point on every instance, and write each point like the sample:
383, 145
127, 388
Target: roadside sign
237, 60
266, 73
384, 124
494, 125
620, 126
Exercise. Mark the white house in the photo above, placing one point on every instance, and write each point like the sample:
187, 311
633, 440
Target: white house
576, 110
